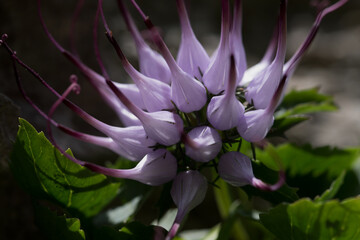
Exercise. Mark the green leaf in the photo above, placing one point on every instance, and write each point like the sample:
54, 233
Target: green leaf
285, 123
57, 227
334, 188
302, 160
46, 174
306, 219
306, 101
295, 107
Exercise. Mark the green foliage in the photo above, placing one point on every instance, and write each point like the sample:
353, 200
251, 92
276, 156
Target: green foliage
295, 107
57, 227
302, 160
306, 219
46, 174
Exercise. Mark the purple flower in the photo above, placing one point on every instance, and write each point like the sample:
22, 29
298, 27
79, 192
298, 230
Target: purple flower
177, 114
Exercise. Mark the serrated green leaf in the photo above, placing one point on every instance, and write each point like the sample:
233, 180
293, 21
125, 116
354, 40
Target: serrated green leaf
308, 97
302, 160
285, 123
46, 174
57, 227
295, 106
306, 219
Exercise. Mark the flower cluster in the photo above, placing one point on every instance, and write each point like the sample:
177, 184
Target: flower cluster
179, 112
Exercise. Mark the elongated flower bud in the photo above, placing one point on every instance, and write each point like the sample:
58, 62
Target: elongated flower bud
151, 63
188, 191
154, 169
253, 72
205, 144
236, 42
155, 94
262, 88
235, 168
225, 111
187, 93
216, 76
192, 57
254, 125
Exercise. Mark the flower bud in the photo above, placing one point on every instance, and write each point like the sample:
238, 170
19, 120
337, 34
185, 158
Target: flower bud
154, 169
206, 144
235, 168
188, 191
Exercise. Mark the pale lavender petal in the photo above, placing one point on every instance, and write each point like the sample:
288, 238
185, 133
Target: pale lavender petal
235, 168
131, 91
188, 94
155, 94
255, 125
164, 127
252, 72
216, 75
236, 42
207, 143
130, 142
153, 65
225, 111
262, 88
192, 57
188, 191
156, 168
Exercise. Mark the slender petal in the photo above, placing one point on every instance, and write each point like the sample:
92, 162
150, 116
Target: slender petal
216, 76
206, 144
155, 94
151, 63
192, 57
188, 191
164, 127
252, 72
156, 168
290, 65
225, 111
262, 88
126, 117
236, 42
187, 93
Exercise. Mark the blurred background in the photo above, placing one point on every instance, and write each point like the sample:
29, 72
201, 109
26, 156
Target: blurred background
332, 64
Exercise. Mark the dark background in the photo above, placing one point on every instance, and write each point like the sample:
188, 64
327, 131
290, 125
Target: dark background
332, 64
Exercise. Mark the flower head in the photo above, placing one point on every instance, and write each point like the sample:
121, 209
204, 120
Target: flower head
178, 115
